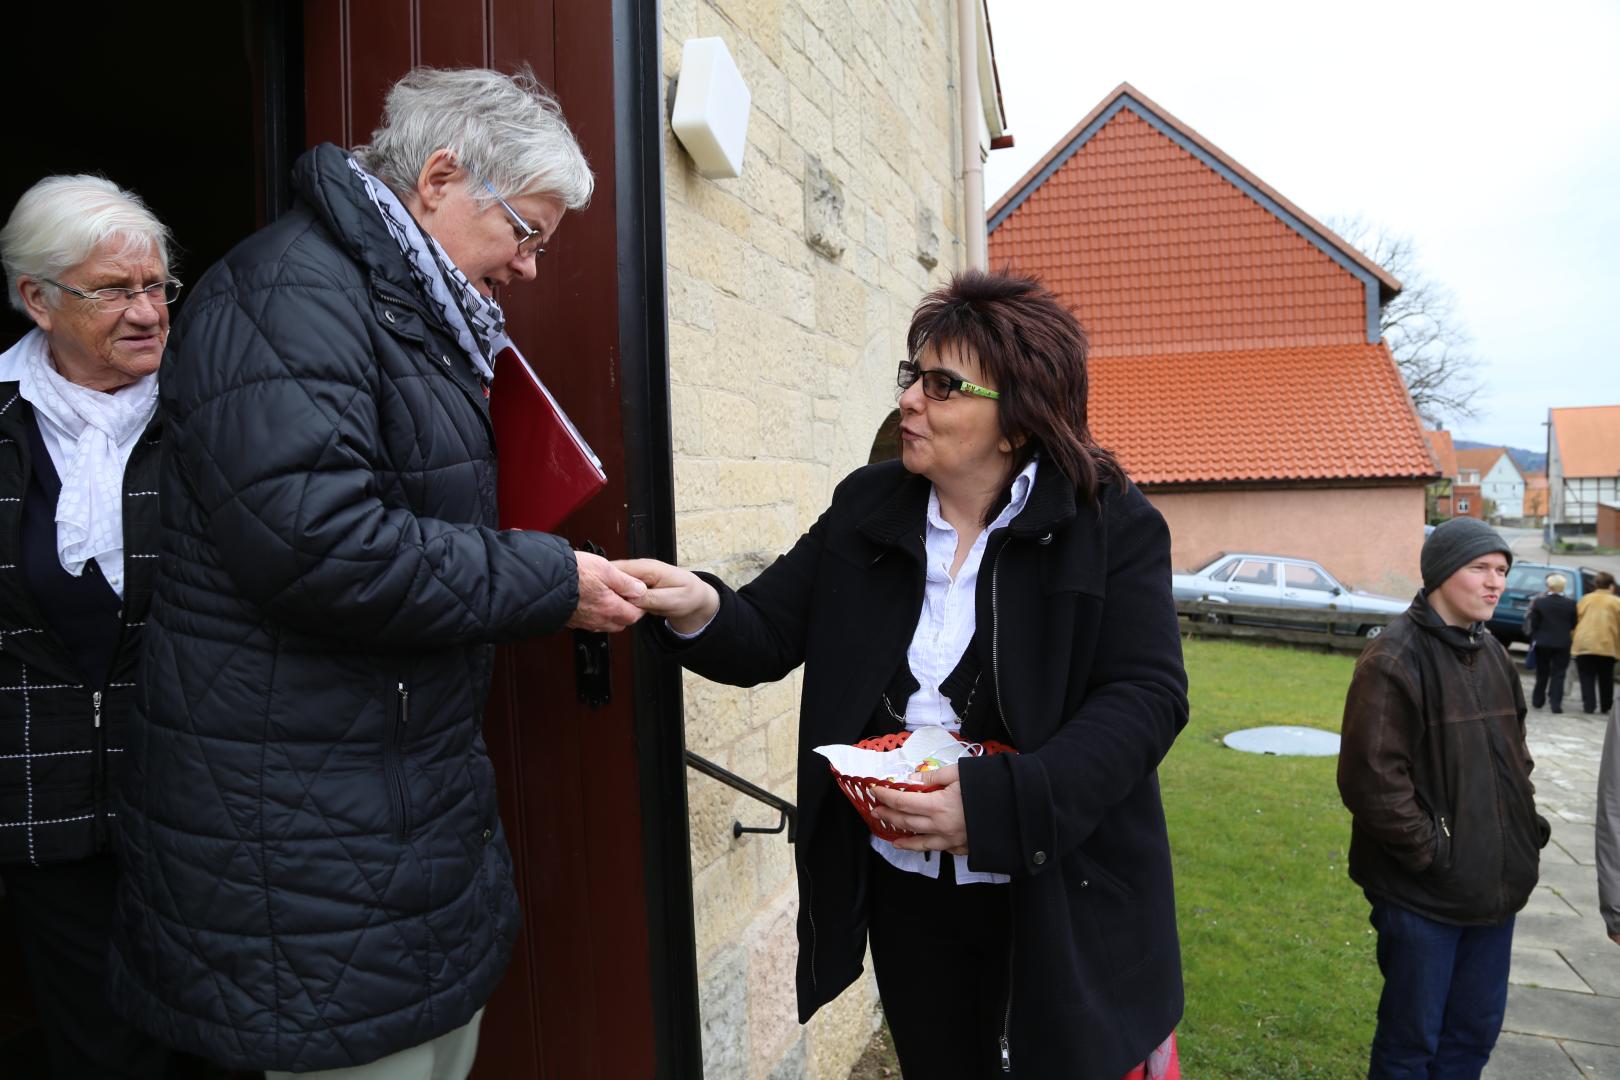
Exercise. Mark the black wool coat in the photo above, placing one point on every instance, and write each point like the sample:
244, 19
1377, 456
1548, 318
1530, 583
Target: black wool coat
1550, 622
314, 869
62, 729
1077, 631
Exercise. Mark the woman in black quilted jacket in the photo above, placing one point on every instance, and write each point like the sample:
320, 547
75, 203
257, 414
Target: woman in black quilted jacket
89, 264
315, 872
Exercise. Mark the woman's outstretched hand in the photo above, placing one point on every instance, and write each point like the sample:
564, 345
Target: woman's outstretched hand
935, 816
680, 596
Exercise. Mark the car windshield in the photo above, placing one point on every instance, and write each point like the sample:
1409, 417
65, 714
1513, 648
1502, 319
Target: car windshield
1530, 578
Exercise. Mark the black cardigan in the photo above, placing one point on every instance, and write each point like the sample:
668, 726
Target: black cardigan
1077, 629
56, 762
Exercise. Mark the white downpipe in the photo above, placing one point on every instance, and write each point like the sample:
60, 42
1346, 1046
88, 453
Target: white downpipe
973, 232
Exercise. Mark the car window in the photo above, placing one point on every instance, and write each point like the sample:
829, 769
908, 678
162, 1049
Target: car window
1255, 572
1530, 578
1305, 577
1225, 572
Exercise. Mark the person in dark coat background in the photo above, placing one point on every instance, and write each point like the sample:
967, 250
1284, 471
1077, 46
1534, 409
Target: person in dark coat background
315, 871
79, 443
1550, 625
1006, 581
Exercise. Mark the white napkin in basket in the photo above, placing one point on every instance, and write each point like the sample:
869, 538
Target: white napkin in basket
925, 743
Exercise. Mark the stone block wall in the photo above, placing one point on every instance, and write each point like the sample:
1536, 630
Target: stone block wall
790, 289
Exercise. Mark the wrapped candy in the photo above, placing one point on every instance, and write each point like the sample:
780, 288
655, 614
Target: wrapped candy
901, 762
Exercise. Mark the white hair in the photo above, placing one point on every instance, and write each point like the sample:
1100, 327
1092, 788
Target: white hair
62, 219
1556, 582
507, 130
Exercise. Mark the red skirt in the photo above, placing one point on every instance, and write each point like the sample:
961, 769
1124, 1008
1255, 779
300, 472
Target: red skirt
1162, 1064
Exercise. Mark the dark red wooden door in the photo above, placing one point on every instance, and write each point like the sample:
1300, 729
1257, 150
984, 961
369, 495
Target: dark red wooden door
578, 999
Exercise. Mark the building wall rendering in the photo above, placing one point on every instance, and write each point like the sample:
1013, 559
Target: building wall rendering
1385, 524
790, 290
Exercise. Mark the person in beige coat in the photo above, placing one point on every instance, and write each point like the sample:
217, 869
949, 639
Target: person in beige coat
1596, 644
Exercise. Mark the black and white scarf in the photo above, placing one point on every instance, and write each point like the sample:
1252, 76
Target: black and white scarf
90, 435
476, 319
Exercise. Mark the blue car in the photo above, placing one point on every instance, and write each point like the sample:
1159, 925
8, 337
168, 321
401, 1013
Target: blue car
1525, 582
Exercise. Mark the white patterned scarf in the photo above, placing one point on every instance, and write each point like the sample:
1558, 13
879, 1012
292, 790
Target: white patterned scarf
96, 433
476, 319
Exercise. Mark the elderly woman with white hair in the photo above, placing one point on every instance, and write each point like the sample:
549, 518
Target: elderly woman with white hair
89, 264
1550, 626
316, 877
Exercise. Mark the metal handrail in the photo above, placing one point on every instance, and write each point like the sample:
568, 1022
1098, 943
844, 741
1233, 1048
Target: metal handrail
788, 814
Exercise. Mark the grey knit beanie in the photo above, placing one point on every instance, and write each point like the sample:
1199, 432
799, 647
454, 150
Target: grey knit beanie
1452, 545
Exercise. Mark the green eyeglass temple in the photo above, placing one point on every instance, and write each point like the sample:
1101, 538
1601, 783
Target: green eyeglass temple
974, 388
938, 383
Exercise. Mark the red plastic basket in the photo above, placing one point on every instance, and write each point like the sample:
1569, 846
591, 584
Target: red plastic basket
858, 789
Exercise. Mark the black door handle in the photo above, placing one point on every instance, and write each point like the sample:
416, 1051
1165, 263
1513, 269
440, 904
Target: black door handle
593, 659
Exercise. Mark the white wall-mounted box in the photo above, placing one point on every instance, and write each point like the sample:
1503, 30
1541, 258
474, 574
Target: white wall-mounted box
711, 108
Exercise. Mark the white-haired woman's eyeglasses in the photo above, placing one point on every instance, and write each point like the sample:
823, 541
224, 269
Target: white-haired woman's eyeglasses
159, 293
528, 240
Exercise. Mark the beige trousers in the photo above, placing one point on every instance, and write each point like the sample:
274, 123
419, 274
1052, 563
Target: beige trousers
449, 1057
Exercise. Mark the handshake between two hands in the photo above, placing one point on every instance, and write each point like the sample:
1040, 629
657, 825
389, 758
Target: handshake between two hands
614, 595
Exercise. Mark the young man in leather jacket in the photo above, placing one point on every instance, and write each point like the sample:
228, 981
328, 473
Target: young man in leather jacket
1445, 838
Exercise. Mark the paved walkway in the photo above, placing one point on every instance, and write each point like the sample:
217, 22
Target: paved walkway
1563, 1015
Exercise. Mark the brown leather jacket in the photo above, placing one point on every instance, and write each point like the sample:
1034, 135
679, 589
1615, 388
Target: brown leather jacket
1435, 772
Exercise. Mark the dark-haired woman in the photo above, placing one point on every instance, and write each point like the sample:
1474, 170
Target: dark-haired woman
1003, 580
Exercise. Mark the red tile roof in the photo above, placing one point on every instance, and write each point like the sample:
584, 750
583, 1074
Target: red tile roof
1158, 250
1322, 413
1536, 494
1445, 453
1228, 328
1482, 459
1588, 440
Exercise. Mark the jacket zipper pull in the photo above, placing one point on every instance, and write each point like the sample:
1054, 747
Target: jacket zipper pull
1006, 1056
1444, 828
95, 701
404, 705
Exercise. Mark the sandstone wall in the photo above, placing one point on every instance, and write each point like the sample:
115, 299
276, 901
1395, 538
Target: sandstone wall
790, 289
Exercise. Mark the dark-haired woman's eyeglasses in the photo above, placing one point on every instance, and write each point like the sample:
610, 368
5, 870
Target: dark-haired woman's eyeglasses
937, 383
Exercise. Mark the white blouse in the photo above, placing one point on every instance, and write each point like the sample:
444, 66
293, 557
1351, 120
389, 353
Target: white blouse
944, 631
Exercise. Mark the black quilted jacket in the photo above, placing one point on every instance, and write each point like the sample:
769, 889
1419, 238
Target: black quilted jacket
315, 872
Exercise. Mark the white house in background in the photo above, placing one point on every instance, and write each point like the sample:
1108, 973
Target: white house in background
1499, 479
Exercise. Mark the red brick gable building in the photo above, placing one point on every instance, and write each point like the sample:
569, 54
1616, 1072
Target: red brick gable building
1237, 365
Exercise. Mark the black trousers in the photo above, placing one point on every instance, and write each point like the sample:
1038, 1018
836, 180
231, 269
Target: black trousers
1597, 682
62, 916
940, 951
1551, 666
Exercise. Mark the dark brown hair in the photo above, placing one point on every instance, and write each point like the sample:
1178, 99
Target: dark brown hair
1603, 580
1033, 349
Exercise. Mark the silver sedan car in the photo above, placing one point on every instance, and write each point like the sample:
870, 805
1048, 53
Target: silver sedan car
1283, 583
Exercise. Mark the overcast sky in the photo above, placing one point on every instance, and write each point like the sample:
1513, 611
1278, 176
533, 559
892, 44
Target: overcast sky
1488, 132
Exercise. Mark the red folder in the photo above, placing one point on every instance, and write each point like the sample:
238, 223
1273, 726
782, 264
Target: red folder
546, 470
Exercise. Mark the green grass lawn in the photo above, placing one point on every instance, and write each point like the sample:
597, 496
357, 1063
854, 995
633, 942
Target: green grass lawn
1278, 954
1277, 951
